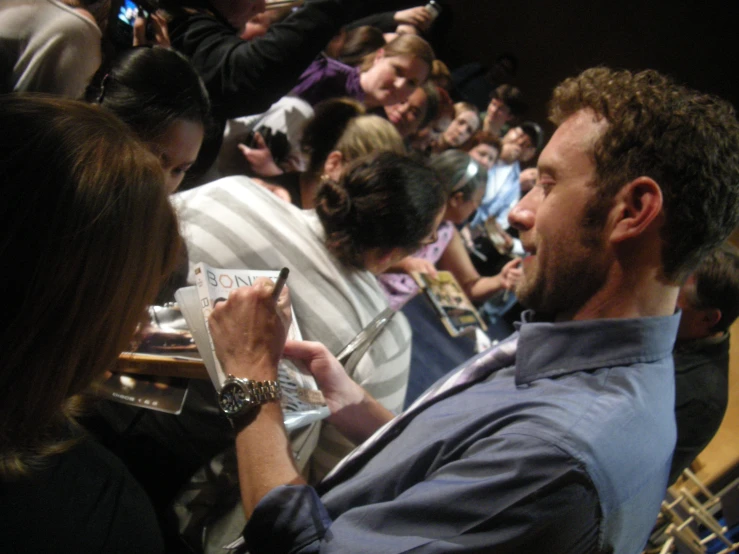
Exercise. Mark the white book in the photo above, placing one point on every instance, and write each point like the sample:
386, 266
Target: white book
302, 402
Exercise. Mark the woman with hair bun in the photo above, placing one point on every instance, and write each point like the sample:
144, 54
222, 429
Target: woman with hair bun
464, 182
368, 215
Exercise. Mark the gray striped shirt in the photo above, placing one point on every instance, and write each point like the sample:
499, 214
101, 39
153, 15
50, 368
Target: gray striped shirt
234, 223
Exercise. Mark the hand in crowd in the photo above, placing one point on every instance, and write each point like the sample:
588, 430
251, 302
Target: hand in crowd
337, 387
507, 239
159, 27
353, 411
419, 17
249, 330
466, 234
260, 157
511, 273
409, 264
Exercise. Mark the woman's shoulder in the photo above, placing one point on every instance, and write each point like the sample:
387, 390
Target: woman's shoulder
325, 66
327, 78
236, 192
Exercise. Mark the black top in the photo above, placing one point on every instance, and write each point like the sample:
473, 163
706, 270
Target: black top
246, 77
84, 501
384, 21
701, 397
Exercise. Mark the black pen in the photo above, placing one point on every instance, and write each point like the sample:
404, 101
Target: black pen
280, 283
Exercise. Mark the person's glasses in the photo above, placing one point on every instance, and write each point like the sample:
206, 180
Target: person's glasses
431, 239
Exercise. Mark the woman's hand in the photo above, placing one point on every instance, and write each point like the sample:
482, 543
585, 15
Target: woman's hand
159, 26
419, 17
260, 158
511, 274
409, 264
249, 330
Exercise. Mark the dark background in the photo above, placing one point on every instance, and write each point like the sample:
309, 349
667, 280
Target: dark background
695, 43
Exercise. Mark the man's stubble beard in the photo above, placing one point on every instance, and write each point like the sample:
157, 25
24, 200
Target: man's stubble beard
580, 270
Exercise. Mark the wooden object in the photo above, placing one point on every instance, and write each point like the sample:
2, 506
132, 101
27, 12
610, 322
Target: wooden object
143, 364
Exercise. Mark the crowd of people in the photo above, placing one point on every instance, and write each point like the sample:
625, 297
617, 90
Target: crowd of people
327, 138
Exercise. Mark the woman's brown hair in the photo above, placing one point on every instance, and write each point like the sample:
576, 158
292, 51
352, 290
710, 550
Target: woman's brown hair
382, 201
90, 234
403, 45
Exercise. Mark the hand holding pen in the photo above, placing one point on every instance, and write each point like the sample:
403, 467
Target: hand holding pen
250, 328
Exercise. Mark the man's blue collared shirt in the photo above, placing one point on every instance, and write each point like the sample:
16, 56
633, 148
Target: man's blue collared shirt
566, 451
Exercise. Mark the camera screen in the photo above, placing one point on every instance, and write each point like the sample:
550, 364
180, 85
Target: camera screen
129, 11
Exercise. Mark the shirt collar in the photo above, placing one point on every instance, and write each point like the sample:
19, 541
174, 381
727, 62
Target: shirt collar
548, 349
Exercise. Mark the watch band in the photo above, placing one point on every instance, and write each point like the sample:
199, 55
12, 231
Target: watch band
264, 391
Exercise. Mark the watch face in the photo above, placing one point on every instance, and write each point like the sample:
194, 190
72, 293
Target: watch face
234, 398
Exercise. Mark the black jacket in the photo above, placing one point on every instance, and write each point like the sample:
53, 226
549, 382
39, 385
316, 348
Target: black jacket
246, 77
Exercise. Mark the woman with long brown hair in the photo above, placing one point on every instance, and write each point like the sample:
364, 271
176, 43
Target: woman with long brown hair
89, 236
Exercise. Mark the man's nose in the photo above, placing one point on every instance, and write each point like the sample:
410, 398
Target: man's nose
523, 214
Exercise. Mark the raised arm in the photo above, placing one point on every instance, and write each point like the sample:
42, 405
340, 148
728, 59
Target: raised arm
246, 77
456, 260
249, 331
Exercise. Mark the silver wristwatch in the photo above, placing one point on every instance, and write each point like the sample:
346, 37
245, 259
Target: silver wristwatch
239, 396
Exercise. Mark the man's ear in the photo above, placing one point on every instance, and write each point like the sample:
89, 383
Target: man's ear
637, 206
710, 318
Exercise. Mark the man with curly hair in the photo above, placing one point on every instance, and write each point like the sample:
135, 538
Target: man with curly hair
560, 438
